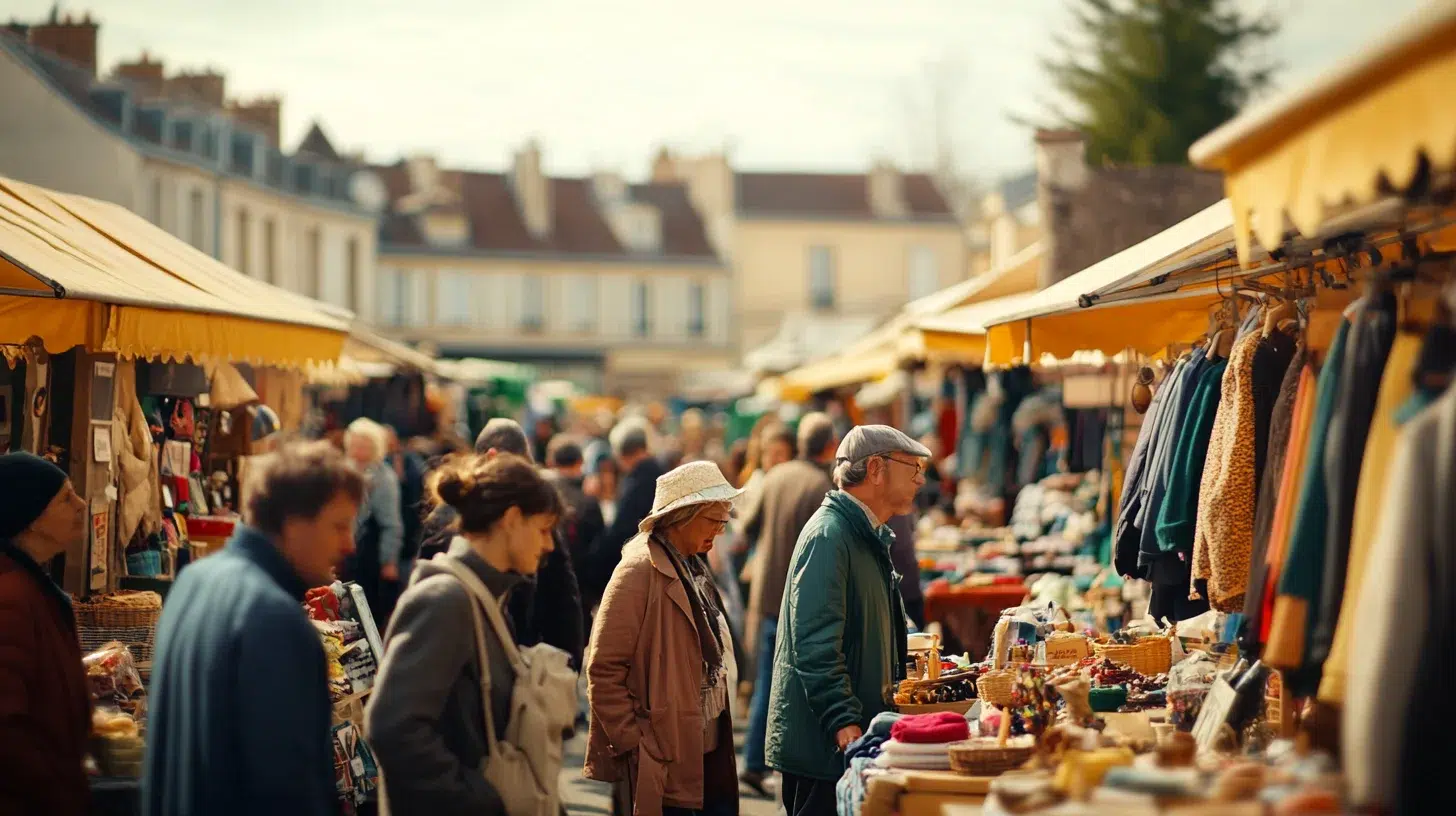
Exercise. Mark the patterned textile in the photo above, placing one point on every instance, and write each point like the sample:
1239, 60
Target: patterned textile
1223, 537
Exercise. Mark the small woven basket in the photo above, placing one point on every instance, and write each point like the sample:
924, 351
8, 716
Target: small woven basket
996, 686
1149, 656
986, 757
130, 617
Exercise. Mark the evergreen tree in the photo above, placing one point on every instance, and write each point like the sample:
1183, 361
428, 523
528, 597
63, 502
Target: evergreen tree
1149, 77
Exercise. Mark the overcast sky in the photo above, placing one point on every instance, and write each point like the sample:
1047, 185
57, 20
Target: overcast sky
794, 84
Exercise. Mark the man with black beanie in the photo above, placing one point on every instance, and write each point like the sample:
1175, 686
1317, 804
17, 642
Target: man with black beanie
45, 706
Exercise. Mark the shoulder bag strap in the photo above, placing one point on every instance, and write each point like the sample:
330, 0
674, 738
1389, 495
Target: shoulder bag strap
481, 599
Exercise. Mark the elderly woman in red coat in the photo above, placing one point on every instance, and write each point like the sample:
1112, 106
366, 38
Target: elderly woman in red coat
45, 708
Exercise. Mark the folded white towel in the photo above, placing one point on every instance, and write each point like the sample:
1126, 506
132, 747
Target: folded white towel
914, 762
915, 748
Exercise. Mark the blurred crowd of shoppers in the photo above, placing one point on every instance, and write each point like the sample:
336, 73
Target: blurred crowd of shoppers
660, 574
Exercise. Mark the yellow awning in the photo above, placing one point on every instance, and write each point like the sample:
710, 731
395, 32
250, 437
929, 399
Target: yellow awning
840, 370
89, 273
1328, 144
1062, 323
1143, 325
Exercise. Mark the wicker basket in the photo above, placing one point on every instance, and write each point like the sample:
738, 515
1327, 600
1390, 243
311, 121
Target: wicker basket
995, 686
986, 757
1149, 656
130, 617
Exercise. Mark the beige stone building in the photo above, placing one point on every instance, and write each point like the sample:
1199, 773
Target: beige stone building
612, 285
175, 150
820, 256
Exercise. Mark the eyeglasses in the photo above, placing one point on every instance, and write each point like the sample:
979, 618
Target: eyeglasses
719, 523
918, 466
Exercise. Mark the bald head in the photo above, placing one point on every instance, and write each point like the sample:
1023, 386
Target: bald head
503, 435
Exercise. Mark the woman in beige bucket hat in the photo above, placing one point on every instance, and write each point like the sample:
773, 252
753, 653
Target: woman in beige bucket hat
660, 657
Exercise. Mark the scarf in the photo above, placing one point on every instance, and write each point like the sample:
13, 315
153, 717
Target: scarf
701, 596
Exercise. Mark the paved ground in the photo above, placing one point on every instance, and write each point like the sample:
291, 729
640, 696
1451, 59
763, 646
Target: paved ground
588, 798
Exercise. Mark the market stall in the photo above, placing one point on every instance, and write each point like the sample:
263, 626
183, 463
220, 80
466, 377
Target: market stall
140, 363
1284, 499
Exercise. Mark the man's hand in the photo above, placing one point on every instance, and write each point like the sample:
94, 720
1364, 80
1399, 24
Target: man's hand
389, 572
846, 735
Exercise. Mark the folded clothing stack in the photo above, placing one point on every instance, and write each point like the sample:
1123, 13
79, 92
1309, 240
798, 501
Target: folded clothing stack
929, 729
922, 741
915, 756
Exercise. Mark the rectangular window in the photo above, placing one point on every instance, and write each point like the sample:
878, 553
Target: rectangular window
391, 304
533, 303
641, 309
334, 275
270, 251
821, 277
697, 308
924, 272
351, 275
154, 205
415, 297
196, 226
581, 300
245, 260
454, 298
313, 262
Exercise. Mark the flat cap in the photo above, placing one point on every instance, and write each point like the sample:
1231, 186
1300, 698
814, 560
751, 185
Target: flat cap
864, 441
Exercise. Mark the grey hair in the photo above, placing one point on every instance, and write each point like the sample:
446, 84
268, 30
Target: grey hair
365, 428
629, 437
816, 433
683, 515
505, 435
850, 474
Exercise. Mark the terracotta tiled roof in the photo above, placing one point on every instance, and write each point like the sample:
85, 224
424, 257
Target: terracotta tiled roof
578, 225
682, 228
831, 195
1120, 206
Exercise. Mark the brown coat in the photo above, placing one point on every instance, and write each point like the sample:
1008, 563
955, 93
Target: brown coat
791, 493
644, 673
45, 707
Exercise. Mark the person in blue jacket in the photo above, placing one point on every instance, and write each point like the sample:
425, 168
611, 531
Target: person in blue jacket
240, 718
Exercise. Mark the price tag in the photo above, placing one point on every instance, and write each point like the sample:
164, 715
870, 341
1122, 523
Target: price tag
1215, 712
357, 765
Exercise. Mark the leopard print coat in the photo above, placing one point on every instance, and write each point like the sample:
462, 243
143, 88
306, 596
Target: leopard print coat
1223, 537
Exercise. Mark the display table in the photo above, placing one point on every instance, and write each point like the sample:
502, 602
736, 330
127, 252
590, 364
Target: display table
924, 793
969, 613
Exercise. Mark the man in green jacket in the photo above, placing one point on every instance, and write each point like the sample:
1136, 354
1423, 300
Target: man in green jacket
841, 638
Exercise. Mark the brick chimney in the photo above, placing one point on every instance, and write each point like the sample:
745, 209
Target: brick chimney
208, 86
144, 72
1061, 170
713, 191
263, 113
423, 173
532, 189
664, 167
68, 37
886, 191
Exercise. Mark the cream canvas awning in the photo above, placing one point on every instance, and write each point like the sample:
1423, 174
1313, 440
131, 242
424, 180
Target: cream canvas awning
1078, 313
